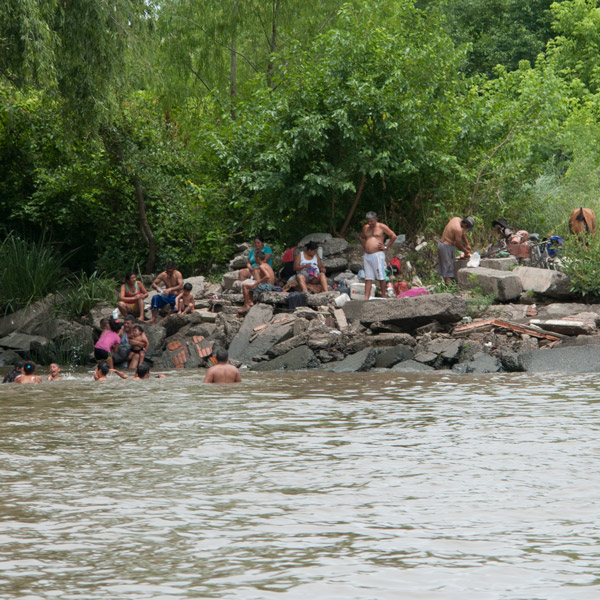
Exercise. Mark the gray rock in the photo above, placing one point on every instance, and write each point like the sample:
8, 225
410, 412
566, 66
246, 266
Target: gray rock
22, 342
334, 264
319, 238
204, 329
322, 299
571, 359
238, 262
391, 339
497, 264
361, 361
392, 356
296, 359
544, 282
566, 309
284, 347
504, 285
408, 313
272, 298
333, 246
425, 357
253, 339
156, 335
447, 349
228, 280
510, 362
344, 276
9, 357
482, 363
410, 366
29, 319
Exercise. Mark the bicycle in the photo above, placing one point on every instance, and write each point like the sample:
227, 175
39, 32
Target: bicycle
546, 254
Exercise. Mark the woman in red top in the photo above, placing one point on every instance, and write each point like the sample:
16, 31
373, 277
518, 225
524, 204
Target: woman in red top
132, 296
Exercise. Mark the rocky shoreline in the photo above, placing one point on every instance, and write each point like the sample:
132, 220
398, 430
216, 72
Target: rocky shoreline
426, 333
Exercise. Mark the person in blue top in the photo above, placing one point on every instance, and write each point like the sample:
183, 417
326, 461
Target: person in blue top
252, 269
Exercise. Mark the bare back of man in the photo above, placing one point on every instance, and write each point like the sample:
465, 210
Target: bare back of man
222, 373
454, 234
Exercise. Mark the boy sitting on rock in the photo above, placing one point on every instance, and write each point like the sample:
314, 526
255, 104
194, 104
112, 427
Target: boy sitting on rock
264, 283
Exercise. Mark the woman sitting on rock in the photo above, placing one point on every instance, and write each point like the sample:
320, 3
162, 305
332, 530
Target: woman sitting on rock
252, 270
309, 269
132, 296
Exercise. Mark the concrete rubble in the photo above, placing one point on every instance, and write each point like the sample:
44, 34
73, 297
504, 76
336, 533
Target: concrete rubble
415, 334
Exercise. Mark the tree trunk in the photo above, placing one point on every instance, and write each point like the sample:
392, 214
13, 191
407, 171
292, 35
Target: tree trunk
233, 77
272, 43
361, 185
145, 226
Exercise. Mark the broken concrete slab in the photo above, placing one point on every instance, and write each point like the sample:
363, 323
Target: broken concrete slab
390, 339
565, 326
504, 285
408, 313
258, 315
545, 282
360, 361
297, 359
507, 263
571, 359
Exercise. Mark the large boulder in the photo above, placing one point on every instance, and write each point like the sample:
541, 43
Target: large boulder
296, 359
333, 246
9, 357
407, 314
497, 264
392, 356
544, 282
411, 366
198, 286
504, 285
22, 342
30, 319
183, 352
259, 333
334, 264
319, 238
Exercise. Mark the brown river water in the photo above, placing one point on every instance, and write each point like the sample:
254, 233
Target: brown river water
369, 486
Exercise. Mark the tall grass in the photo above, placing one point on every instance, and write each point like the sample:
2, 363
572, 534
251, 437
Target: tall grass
83, 292
28, 271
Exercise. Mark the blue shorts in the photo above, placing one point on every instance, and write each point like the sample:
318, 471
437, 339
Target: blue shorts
161, 300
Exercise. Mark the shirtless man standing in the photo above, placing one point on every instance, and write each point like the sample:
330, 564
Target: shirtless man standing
454, 236
372, 238
173, 282
222, 372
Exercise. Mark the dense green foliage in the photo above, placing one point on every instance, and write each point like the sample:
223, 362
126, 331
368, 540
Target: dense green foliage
136, 132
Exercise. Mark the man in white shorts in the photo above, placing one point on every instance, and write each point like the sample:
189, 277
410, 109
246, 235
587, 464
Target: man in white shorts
372, 237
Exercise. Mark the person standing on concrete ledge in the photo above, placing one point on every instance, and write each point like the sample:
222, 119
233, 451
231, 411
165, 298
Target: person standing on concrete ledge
454, 236
372, 238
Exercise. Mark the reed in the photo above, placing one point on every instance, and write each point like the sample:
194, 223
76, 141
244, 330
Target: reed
28, 271
83, 292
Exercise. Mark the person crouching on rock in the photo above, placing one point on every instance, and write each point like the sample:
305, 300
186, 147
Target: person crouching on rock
264, 282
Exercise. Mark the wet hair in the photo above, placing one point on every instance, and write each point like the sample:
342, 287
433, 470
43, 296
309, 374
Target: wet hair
142, 370
371, 215
115, 325
103, 368
104, 323
130, 318
222, 355
311, 245
259, 255
138, 328
170, 265
19, 365
260, 238
128, 275
187, 287
29, 367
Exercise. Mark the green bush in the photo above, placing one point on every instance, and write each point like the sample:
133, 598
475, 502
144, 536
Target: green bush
29, 271
581, 262
84, 292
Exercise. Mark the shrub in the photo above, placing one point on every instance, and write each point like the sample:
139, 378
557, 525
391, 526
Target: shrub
29, 271
581, 262
84, 292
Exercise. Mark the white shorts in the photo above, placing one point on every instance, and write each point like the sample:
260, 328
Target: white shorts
375, 266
